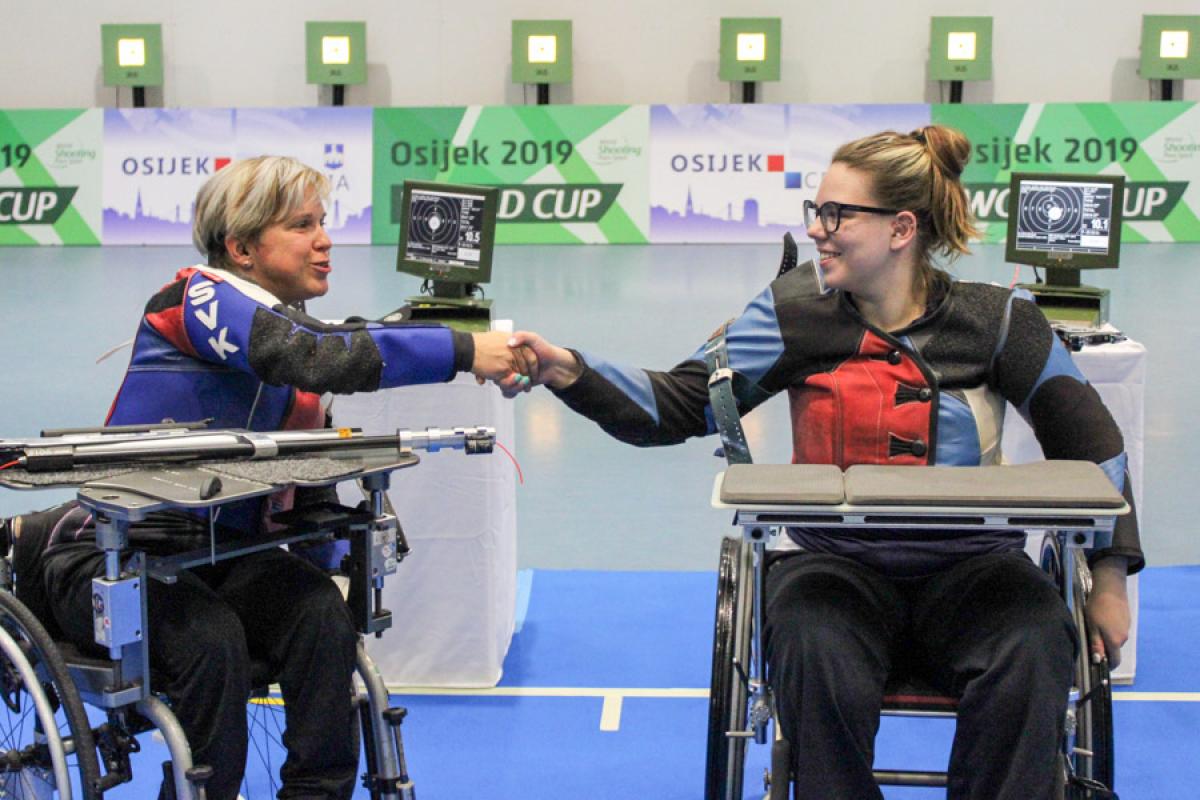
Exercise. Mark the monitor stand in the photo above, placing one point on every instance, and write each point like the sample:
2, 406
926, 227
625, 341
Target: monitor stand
452, 304
1063, 298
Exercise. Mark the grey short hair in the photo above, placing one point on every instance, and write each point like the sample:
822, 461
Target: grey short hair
248, 196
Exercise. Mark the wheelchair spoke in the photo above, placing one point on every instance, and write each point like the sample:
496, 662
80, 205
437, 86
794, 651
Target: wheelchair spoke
47, 747
265, 724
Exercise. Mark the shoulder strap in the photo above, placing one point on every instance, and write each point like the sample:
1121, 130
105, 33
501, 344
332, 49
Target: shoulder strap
791, 256
734, 447
722, 401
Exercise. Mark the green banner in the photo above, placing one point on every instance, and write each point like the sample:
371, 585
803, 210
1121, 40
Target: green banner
1156, 146
50, 174
567, 174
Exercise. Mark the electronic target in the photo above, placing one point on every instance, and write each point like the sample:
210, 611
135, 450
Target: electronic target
1060, 218
447, 231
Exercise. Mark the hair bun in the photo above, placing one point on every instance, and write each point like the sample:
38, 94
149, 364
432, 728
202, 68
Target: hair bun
948, 148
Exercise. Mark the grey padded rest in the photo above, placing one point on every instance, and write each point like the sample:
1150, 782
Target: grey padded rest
1041, 484
783, 484
300, 470
17, 478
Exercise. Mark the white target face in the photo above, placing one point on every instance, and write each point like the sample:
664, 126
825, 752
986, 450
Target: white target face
1063, 216
434, 220
446, 229
1052, 211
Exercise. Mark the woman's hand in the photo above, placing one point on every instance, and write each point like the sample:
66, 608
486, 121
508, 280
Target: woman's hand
553, 366
1108, 610
497, 360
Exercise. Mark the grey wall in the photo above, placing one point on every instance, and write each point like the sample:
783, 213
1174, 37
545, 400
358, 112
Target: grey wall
251, 52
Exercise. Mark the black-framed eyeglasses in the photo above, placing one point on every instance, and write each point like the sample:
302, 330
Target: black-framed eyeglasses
830, 213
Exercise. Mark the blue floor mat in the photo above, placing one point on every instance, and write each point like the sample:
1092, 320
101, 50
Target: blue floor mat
652, 631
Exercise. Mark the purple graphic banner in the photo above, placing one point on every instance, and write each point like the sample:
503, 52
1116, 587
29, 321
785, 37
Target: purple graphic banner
741, 173
156, 159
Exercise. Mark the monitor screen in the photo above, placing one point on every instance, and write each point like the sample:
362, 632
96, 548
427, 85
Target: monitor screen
1065, 221
447, 231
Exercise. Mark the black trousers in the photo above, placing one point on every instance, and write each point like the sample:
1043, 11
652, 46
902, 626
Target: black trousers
204, 630
992, 629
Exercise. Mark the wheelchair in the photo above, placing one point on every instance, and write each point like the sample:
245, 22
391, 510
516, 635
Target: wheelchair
1073, 505
49, 747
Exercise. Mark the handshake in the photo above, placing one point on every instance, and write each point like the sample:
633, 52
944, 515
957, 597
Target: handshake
516, 362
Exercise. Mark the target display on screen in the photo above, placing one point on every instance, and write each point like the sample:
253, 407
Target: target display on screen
1069, 220
447, 231
445, 228
1060, 216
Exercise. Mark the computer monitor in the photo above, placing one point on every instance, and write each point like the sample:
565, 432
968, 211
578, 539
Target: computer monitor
1064, 223
447, 233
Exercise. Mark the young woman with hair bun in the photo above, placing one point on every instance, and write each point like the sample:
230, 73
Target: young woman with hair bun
886, 359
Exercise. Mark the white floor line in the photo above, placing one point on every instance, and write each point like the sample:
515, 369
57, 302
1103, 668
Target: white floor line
667, 694
550, 691
610, 714
610, 711
1159, 697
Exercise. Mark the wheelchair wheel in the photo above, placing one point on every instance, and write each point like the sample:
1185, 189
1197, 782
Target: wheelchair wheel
728, 695
46, 743
265, 722
1092, 759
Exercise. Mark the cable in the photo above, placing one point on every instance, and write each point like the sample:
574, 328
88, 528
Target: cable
520, 474
254, 405
9, 464
113, 350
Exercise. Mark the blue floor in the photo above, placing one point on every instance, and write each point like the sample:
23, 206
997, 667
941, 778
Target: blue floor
645, 636
652, 631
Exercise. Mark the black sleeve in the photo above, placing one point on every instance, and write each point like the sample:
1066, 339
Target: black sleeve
1036, 374
642, 407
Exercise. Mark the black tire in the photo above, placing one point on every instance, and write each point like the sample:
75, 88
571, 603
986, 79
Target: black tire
781, 771
20, 739
367, 730
1093, 713
1088, 775
728, 698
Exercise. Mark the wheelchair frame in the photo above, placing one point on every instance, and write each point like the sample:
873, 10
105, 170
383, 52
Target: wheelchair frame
120, 685
741, 704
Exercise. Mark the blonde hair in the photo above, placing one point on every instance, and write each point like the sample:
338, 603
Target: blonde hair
920, 172
247, 197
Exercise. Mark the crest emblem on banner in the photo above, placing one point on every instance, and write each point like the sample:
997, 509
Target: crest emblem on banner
335, 156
